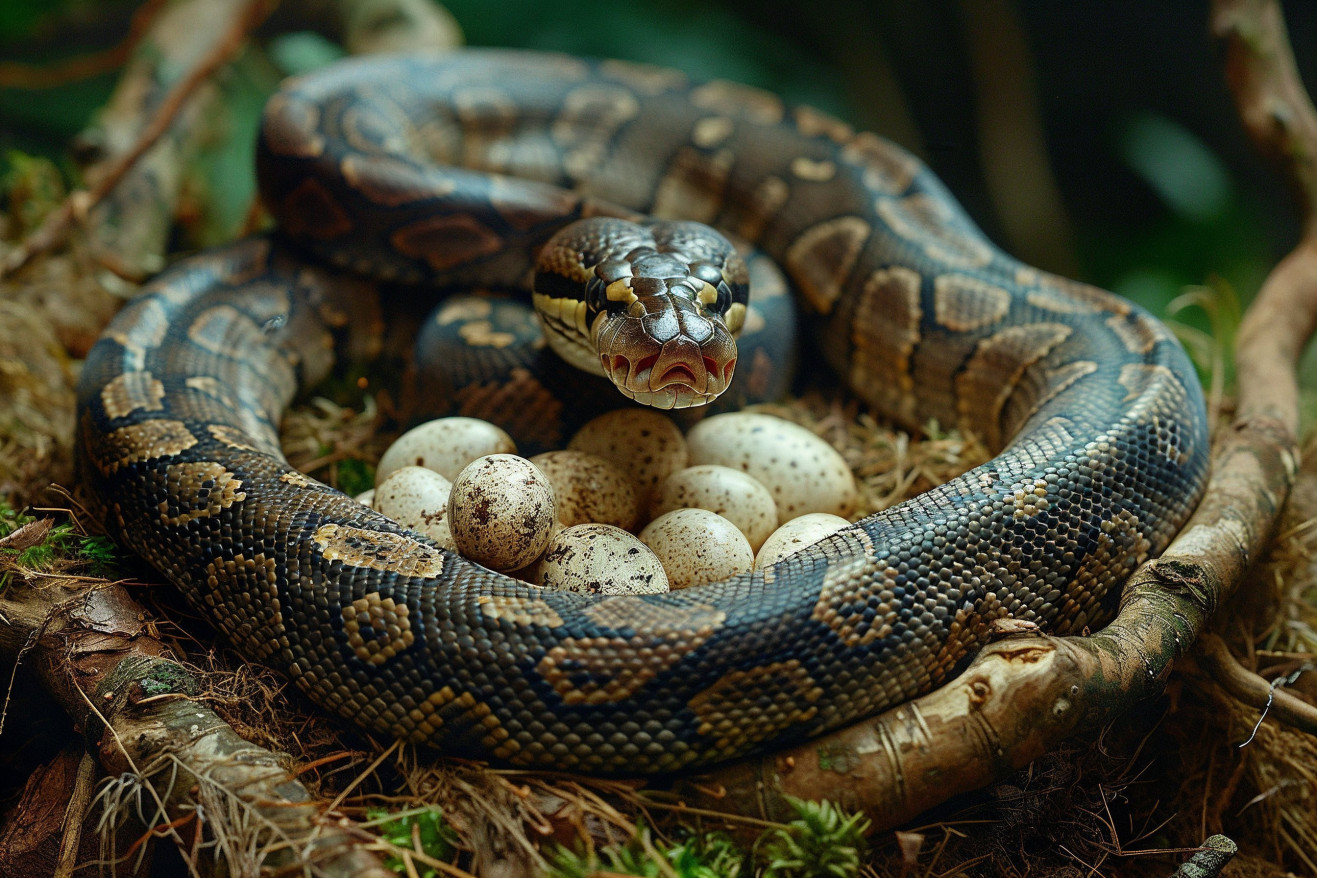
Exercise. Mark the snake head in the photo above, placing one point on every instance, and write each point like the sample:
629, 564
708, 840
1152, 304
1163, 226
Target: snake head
657, 306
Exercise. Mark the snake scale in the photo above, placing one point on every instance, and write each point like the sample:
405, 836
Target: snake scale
453, 170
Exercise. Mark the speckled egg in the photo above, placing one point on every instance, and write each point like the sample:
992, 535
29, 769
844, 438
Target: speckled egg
645, 445
501, 511
797, 534
588, 488
601, 559
444, 445
730, 493
697, 546
417, 498
801, 471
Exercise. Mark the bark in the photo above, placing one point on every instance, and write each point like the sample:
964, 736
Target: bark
192, 776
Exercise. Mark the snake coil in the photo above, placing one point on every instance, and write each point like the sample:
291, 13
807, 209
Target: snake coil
454, 170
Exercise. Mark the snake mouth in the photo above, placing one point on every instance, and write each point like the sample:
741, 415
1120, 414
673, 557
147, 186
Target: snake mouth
678, 374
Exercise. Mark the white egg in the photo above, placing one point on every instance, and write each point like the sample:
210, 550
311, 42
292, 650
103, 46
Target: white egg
366, 498
801, 471
645, 445
730, 493
445, 446
697, 546
501, 511
601, 559
417, 498
797, 534
588, 488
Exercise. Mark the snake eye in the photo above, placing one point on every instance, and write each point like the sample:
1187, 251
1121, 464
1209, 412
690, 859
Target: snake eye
724, 300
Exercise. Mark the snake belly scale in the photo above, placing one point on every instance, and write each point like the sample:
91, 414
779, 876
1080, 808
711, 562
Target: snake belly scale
455, 169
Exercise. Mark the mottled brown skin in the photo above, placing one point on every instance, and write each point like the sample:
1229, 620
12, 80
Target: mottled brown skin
383, 166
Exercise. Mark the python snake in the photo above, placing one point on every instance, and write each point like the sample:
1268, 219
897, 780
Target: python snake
454, 170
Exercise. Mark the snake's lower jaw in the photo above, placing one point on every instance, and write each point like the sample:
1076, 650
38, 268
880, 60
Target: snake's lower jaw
677, 374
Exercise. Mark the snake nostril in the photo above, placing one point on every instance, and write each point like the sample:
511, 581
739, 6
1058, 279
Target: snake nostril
711, 365
646, 363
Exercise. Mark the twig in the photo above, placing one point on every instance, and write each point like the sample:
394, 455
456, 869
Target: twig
74, 816
1252, 690
55, 228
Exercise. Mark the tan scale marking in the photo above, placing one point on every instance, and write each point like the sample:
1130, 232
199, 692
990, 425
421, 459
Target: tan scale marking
140, 443
376, 125
884, 333
299, 480
1030, 499
377, 550
232, 437
292, 127
425, 714
1049, 384
764, 204
735, 99
131, 392
847, 586
693, 186
522, 611
1138, 378
458, 310
711, 131
585, 126
746, 707
445, 242
391, 181
365, 619
886, 168
643, 77
243, 597
988, 379
962, 303
821, 257
1136, 335
225, 331
481, 334
735, 317
1050, 300
1085, 294
638, 614
311, 211
812, 123
187, 495
150, 326
614, 668
922, 221
814, 171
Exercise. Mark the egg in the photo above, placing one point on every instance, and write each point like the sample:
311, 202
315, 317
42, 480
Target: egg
417, 498
802, 472
366, 498
797, 534
728, 492
697, 546
444, 445
588, 488
645, 445
501, 511
601, 559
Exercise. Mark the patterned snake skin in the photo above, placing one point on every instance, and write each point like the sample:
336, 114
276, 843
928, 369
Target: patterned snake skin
454, 169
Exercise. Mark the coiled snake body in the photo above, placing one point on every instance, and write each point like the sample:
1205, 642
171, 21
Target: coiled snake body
455, 169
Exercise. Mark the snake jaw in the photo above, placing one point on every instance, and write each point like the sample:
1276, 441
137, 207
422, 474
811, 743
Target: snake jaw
663, 353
